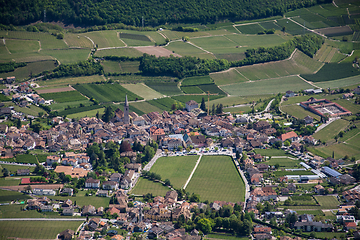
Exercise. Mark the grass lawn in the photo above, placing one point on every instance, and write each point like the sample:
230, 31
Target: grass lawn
283, 162
14, 168
35, 229
9, 181
300, 172
331, 130
176, 169
349, 105
298, 112
271, 152
143, 91
216, 178
8, 196
313, 212
144, 186
26, 158
83, 200
269, 86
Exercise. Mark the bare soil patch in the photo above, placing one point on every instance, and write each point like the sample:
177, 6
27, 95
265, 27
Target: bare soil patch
53, 90
157, 51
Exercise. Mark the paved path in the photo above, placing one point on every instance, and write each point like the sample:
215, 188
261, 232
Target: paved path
42, 219
197, 163
247, 186
327, 123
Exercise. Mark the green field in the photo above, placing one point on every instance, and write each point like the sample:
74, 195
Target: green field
291, 27
186, 49
329, 132
90, 113
13, 168
253, 28
144, 186
327, 202
284, 173
349, 105
166, 88
283, 162
176, 169
104, 39
62, 97
234, 100
298, 112
75, 40
107, 92
8, 196
146, 107
216, 178
61, 106
164, 103
228, 77
191, 90
271, 152
76, 110
195, 81
35, 229
143, 91
66, 56
130, 52
333, 71
123, 67
298, 64
26, 158
224, 236
270, 86
31, 68
64, 82
196, 98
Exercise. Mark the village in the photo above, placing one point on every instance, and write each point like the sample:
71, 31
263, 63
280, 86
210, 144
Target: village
271, 190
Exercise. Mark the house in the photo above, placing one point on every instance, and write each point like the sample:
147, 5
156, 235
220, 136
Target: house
68, 211
46, 208
264, 194
350, 225
290, 135
346, 179
88, 210
262, 167
50, 160
67, 234
319, 189
39, 191
289, 94
116, 177
190, 105
92, 183
67, 192
262, 229
110, 185
308, 119
155, 232
22, 172
261, 125
258, 158
291, 187
133, 166
310, 226
348, 95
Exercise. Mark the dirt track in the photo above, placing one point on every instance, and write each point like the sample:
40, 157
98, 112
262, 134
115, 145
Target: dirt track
157, 51
54, 90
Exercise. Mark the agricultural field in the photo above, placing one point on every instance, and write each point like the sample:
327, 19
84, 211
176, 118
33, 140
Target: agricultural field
195, 81
355, 80
191, 90
284, 173
143, 91
104, 39
332, 71
107, 92
186, 49
269, 86
166, 88
145, 107
251, 28
144, 186
298, 64
65, 82
32, 68
132, 39
62, 97
75, 110
196, 98
271, 152
327, 202
349, 105
235, 100
35, 229
329, 132
61, 106
164, 103
8, 196
336, 31
291, 27
66, 56
176, 169
90, 113
328, 54
77, 41
130, 52
157, 51
216, 178
26, 158
340, 150
228, 77
224, 236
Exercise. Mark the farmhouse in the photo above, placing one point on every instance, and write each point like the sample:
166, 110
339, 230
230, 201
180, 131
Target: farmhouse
322, 107
190, 105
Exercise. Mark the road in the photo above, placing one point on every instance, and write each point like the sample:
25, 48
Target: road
247, 186
197, 163
42, 219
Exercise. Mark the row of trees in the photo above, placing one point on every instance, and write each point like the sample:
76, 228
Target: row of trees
192, 66
10, 66
154, 12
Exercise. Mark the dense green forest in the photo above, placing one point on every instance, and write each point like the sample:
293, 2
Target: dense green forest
155, 12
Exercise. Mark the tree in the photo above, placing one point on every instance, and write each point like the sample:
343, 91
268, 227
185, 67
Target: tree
213, 109
5, 172
202, 105
18, 123
167, 182
204, 225
287, 143
108, 114
125, 147
194, 198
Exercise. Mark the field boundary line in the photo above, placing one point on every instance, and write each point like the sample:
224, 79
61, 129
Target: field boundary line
312, 84
192, 173
242, 74
306, 28
352, 137
91, 41
199, 47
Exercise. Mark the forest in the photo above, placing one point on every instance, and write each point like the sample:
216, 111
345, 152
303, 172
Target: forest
154, 12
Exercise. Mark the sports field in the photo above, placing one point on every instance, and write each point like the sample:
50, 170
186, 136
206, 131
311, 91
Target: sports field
216, 178
144, 186
176, 169
143, 91
35, 229
269, 86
